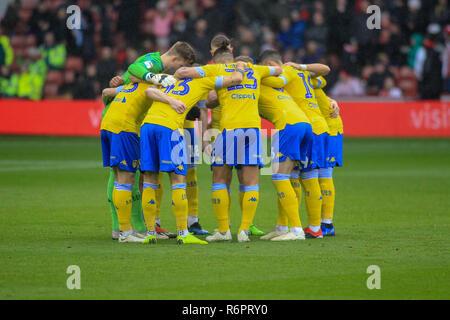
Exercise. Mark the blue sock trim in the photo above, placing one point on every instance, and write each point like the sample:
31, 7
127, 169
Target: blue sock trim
326, 173
124, 187
219, 186
251, 188
229, 189
115, 184
294, 175
150, 185
313, 174
280, 176
241, 187
179, 186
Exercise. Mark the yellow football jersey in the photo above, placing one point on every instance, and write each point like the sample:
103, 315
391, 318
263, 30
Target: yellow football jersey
128, 109
278, 107
190, 124
298, 84
216, 114
334, 124
239, 103
189, 91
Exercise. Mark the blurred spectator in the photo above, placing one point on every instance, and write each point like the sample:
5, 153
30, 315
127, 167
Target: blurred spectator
416, 43
446, 60
376, 80
9, 82
428, 69
86, 86
6, 51
106, 68
53, 53
200, 40
347, 85
330, 31
317, 31
131, 57
313, 53
390, 90
32, 76
162, 20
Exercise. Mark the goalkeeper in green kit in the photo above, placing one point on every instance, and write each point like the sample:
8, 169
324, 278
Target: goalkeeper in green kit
147, 68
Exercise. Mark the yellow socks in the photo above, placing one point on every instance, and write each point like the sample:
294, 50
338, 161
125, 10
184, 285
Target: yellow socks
249, 203
297, 187
328, 194
241, 195
122, 202
313, 196
220, 202
282, 216
149, 205
158, 199
287, 198
192, 194
180, 207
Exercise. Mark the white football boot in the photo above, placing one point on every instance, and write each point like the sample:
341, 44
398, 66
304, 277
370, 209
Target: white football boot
272, 234
243, 236
130, 238
290, 236
218, 236
115, 234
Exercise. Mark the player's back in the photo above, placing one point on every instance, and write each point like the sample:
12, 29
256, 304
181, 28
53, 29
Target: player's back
128, 109
278, 107
300, 88
189, 91
240, 103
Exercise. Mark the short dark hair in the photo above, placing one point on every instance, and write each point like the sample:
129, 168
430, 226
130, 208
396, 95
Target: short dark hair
183, 50
220, 40
270, 55
222, 53
244, 59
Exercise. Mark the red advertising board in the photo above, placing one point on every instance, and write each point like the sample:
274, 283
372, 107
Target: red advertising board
361, 119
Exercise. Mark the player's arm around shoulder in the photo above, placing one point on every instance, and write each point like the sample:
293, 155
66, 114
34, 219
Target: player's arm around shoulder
317, 69
209, 70
157, 95
234, 79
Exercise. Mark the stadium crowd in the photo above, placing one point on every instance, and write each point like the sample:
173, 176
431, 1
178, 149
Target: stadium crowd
408, 57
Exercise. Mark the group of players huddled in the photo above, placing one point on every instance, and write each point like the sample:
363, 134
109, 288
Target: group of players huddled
148, 127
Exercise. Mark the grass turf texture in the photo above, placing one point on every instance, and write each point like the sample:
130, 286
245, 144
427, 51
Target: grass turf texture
392, 210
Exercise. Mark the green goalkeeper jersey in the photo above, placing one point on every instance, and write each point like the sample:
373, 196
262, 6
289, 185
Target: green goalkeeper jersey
148, 63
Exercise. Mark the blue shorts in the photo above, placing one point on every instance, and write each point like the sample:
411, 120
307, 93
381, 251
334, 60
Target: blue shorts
319, 152
162, 149
238, 147
295, 142
193, 155
335, 148
120, 150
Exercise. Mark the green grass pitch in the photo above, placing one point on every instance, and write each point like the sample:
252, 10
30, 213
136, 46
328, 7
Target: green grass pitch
392, 210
